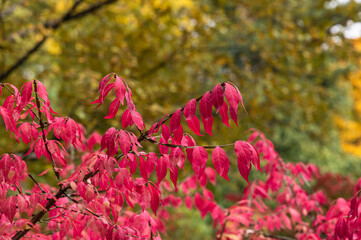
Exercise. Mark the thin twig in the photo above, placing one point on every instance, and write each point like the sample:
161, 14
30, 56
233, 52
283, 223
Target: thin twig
51, 202
42, 126
31, 177
70, 15
184, 146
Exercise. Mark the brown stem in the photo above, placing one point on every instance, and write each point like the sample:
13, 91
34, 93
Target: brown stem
51, 202
31, 177
70, 15
223, 227
42, 126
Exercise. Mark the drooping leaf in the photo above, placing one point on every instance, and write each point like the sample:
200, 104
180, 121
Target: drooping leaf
165, 132
177, 157
205, 106
161, 169
208, 124
224, 114
199, 160
126, 119
113, 109
217, 96
8, 120
178, 135
194, 125
190, 109
155, 198
244, 158
119, 89
220, 162
137, 119
8, 208
175, 120
124, 142
105, 81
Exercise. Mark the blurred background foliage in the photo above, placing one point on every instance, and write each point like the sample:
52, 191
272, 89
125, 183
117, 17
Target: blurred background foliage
298, 76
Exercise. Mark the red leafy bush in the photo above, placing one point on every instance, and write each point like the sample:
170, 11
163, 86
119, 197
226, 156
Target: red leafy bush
96, 198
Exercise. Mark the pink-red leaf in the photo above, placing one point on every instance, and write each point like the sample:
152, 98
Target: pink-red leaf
244, 158
165, 132
205, 106
208, 123
8, 208
155, 198
126, 119
220, 162
217, 96
8, 120
199, 160
177, 157
124, 142
194, 125
119, 89
113, 109
137, 119
190, 109
105, 81
161, 169
175, 120
224, 114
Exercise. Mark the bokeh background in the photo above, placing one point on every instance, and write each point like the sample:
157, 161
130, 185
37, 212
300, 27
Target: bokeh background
297, 64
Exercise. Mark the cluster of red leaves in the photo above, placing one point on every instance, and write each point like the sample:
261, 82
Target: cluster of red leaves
281, 207
98, 197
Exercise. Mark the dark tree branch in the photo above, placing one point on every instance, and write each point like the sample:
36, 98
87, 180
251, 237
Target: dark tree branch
51, 202
23, 59
70, 15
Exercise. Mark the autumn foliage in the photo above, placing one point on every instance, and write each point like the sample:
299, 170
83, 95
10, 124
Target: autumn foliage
119, 191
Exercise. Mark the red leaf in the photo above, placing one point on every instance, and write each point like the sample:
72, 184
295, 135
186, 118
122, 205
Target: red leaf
205, 106
190, 109
208, 123
188, 202
194, 125
113, 109
189, 151
143, 168
233, 115
124, 142
217, 96
232, 96
126, 119
119, 89
165, 132
103, 94
240, 96
178, 135
177, 157
8, 120
244, 158
175, 120
174, 176
9, 208
161, 169
137, 119
27, 90
220, 162
132, 163
155, 198
224, 114
199, 160
23, 204
104, 81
